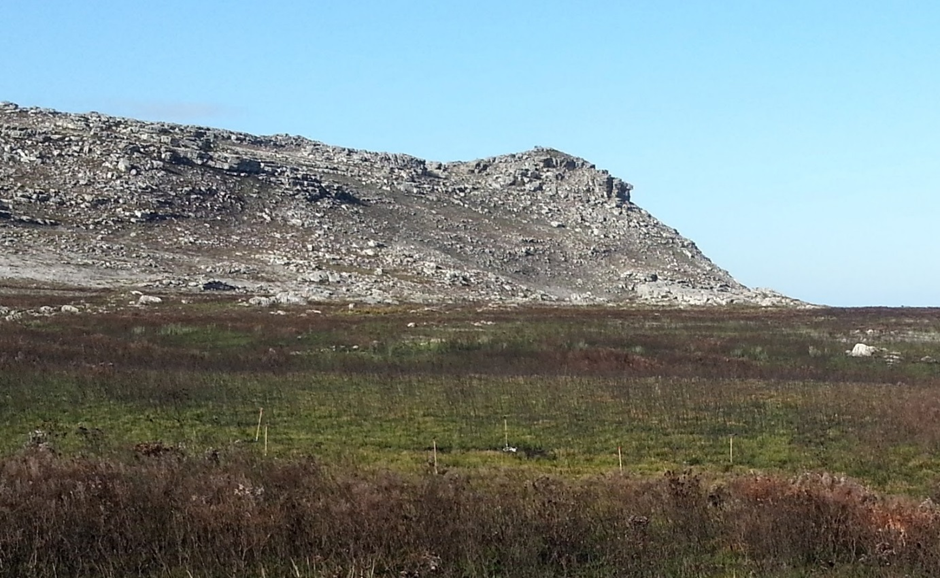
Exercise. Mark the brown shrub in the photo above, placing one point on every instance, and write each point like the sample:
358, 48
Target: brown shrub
157, 517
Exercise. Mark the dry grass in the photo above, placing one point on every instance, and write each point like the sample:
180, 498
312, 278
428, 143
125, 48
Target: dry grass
237, 515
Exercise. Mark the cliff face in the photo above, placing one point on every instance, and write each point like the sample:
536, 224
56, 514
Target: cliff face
87, 199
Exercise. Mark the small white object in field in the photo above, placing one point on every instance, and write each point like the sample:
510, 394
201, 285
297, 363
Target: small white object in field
862, 350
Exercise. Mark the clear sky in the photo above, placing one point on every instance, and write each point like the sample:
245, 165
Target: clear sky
797, 142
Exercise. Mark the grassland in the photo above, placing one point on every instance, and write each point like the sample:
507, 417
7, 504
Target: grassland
622, 422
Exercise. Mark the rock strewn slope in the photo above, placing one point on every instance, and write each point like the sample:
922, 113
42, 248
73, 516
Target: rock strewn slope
88, 199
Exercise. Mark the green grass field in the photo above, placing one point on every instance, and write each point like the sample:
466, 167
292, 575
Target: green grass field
566, 387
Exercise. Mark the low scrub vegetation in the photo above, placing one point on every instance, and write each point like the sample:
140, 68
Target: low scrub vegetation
239, 515
208, 439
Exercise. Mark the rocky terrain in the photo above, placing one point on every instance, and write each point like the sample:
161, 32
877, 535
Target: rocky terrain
88, 200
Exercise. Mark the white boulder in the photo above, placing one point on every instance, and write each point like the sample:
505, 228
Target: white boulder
862, 350
290, 298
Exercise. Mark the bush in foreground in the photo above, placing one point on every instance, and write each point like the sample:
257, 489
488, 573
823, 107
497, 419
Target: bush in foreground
169, 515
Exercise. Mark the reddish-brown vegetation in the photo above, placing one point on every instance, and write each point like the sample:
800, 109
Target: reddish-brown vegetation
165, 516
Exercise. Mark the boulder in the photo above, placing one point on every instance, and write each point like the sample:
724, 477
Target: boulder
862, 350
319, 277
218, 286
290, 298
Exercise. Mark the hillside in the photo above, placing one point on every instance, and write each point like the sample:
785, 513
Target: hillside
91, 200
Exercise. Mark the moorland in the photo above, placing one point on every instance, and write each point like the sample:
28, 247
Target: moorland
201, 437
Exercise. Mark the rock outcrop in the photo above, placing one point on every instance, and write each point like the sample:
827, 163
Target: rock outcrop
94, 200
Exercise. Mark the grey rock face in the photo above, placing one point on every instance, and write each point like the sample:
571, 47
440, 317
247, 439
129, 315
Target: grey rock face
89, 199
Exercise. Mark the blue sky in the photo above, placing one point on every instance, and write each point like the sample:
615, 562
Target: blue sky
797, 142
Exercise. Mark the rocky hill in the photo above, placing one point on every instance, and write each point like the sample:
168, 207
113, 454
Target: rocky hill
94, 200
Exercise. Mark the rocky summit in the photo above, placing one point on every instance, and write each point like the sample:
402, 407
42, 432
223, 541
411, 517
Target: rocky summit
88, 200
